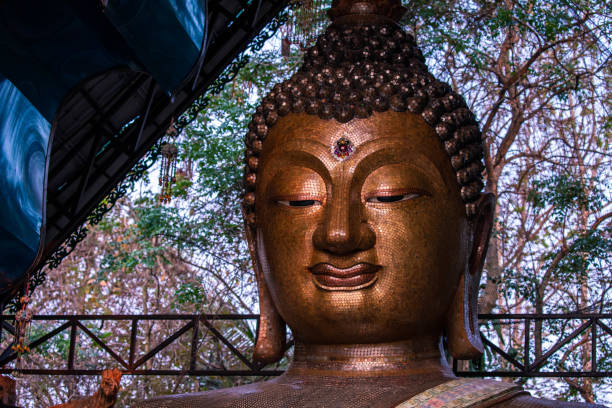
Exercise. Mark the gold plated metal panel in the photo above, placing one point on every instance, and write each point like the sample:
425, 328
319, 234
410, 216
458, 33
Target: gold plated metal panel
392, 208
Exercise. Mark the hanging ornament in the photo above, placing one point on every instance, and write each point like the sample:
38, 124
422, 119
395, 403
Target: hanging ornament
185, 172
23, 320
169, 153
306, 22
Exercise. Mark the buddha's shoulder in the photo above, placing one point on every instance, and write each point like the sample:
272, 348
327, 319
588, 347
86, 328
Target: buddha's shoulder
526, 401
222, 398
283, 394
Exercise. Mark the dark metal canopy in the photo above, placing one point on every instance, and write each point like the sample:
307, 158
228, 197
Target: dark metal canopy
107, 122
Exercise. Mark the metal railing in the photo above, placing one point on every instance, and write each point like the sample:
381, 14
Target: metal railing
501, 359
132, 363
532, 360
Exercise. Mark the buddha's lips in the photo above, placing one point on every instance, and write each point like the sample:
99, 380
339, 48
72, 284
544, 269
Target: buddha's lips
333, 277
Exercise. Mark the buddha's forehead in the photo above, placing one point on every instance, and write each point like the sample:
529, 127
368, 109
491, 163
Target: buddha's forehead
359, 131
333, 142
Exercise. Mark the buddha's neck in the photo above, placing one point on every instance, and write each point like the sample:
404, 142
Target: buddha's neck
403, 358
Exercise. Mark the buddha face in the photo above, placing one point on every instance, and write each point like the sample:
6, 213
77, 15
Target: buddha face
361, 232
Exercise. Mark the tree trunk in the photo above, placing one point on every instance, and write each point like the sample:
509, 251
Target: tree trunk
488, 301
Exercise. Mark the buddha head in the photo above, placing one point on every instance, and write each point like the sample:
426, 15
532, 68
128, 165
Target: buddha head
363, 206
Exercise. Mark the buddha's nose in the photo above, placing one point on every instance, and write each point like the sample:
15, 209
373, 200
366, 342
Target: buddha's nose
343, 230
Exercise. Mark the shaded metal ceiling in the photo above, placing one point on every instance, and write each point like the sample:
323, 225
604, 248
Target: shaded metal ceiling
108, 122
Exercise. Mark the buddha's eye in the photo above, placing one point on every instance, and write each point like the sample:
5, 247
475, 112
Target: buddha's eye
298, 203
392, 198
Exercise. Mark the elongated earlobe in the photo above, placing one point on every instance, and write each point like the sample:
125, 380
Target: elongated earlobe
271, 330
462, 333
463, 336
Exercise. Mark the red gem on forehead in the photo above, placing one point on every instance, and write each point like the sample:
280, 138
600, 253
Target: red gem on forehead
342, 149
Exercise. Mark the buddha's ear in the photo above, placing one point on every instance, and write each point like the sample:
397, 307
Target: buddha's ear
463, 336
271, 330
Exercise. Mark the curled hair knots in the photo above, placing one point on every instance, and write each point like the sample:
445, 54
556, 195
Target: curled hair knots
353, 71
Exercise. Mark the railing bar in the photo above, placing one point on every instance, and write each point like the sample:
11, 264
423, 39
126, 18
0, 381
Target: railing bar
221, 373
535, 374
228, 344
542, 359
47, 336
37, 342
593, 345
133, 339
194, 344
544, 316
526, 345
604, 327
7, 326
501, 352
230, 316
73, 333
103, 345
163, 344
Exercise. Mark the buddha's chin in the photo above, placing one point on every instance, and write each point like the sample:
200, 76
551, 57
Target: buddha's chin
342, 332
340, 316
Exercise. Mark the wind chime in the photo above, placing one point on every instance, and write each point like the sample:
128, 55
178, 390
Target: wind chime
167, 176
23, 318
306, 22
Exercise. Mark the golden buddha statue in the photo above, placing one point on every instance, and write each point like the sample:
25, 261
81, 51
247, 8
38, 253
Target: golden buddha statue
367, 228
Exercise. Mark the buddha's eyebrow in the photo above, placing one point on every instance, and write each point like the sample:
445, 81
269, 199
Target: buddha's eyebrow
299, 157
295, 147
374, 156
